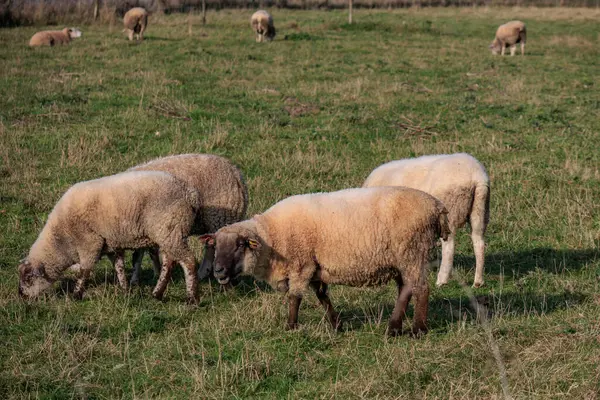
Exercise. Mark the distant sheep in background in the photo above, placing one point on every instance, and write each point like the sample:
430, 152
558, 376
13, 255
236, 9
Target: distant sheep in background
508, 35
461, 183
52, 38
262, 24
135, 21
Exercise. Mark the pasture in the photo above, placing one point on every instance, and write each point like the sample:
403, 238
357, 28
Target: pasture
315, 110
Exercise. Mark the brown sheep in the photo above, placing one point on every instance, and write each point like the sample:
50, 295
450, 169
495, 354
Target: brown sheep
52, 38
356, 237
508, 35
136, 21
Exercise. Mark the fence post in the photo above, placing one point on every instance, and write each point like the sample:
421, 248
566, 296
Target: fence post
349, 11
96, 7
203, 12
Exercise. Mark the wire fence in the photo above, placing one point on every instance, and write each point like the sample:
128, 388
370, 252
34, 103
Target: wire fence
48, 12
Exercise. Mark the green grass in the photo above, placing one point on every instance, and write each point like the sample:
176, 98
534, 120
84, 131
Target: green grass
315, 112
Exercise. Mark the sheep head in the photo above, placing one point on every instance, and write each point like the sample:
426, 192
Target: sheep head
237, 251
32, 279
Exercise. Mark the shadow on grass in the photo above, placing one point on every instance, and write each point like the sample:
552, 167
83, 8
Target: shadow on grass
445, 312
522, 262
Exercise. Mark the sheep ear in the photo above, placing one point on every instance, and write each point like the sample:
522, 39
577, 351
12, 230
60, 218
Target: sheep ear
208, 239
253, 244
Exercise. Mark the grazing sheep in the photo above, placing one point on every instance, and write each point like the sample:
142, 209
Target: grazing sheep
223, 194
356, 237
52, 38
461, 183
135, 21
262, 24
108, 215
508, 35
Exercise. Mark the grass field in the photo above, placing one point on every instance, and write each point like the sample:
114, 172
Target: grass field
315, 112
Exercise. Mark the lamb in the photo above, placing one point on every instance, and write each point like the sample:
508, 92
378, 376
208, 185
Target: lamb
262, 24
510, 34
108, 215
135, 22
51, 38
223, 194
356, 237
461, 183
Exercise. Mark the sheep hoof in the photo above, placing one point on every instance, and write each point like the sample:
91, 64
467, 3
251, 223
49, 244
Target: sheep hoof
157, 295
440, 283
478, 284
291, 326
418, 332
192, 301
78, 295
394, 330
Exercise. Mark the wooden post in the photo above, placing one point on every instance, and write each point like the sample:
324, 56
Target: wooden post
349, 11
203, 12
96, 6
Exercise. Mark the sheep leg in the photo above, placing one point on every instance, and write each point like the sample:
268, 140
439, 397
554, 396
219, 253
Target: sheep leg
154, 256
404, 296
479, 249
447, 260
130, 34
320, 289
522, 48
503, 49
163, 279
118, 260
85, 271
136, 260
207, 263
191, 284
513, 49
421, 308
294, 306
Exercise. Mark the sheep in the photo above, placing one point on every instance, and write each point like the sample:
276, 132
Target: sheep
51, 38
224, 197
510, 34
108, 215
356, 237
461, 183
135, 22
262, 24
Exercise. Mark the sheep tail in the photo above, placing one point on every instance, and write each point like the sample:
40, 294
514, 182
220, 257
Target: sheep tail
444, 227
192, 197
480, 210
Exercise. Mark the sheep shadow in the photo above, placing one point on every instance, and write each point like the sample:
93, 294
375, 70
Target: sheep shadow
521, 263
445, 312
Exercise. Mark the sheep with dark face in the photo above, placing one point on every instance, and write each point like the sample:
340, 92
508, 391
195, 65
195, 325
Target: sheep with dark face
108, 215
262, 24
356, 237
53, 38
509, 35
136, 21
461, 183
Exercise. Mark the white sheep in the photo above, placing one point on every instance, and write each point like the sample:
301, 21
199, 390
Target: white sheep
135, 22
508, 35
223, 194
108, 215
461, 183
262, 24
52, 38
356, 237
